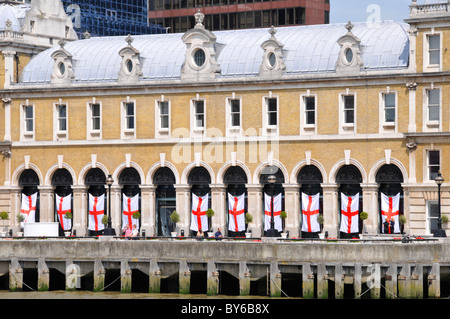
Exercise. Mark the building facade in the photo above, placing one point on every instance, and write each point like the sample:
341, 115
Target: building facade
110, 17
171, 116
178, 16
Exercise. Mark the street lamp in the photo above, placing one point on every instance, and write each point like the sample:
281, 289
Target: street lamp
439, 232
271, 232
109, 230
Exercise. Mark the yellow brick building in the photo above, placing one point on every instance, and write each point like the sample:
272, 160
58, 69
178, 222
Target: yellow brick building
357, 108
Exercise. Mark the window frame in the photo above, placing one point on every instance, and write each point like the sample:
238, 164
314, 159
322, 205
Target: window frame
27, 135
197, 131
431, 125
233, 129
428, 67
162, 131
60, 134
427, 173
347, 127
128, 132
307, 128
391, 126
428, 217
270, 128
93, 133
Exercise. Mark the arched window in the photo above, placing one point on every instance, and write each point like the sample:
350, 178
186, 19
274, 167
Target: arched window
164, 179
29, 181
96, 181
349, 179
310, 179
62, 181
274, 190
235, 179
389, 178
199, 179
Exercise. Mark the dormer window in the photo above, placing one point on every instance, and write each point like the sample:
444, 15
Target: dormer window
349, 59
273, 63
130, 68
62, 69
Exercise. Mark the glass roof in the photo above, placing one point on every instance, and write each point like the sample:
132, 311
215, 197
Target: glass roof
307, 49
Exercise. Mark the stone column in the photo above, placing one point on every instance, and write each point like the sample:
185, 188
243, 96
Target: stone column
80, 210
9, 67
125, 277
183, 204
412, 87
255, 208
46, 203
212, 280
308, 282
370, 205
275, 280
292, 208
218, 203
15, 198
244, 279
184, 277
116, 207
330, 209
154, 275
43, 276
434, 282
99, 275
148, 209
7, 105
15, 275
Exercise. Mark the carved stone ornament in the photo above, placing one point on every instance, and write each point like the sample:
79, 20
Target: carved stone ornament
200, 63
130, 66
273, 59
349, 59
62, 68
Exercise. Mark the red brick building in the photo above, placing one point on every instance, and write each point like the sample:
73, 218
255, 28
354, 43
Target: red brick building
178, 15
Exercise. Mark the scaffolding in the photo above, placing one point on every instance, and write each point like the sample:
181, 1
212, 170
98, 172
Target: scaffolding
110, 17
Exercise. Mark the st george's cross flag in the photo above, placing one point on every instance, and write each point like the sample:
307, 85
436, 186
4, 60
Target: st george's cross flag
236, 213
390, 208
96, 212
28, 208
199, 220
63, 206
310, 212
276, 212
349, 214
130, 205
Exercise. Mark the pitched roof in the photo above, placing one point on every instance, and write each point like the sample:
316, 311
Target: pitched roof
307, 50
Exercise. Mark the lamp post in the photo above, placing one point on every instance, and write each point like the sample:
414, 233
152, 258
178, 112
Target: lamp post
109, 230
439, 232
271, 232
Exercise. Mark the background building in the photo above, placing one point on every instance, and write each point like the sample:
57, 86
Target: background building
178, 15
110, 17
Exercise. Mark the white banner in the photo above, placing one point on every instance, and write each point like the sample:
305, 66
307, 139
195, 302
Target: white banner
276, 212
349, 214
199, 220
236, 217
310, 212
63, 206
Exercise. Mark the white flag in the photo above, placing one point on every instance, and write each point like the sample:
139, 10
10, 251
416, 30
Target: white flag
63, 205
390, 209
276, 212
130, 205
28, 208
96, 212
310, 212
236, 213
199, 219
349, 214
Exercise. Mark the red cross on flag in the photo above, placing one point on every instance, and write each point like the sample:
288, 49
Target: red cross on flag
63, 205
96, 212
276, 212
390, 208
28, 208
236, 212
349, 214
130, 205
310, 212
199, 219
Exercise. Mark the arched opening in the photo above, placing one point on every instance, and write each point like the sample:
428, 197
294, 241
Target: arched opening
273, 197
29, 181
96, 200
164, 180
350, 200
311, 200
235, 179
130, 180
199, 179
62, 182
390, 198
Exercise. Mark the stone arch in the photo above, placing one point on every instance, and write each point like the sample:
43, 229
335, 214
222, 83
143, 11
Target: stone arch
301, 164
54, 168
191, 166
87, 167
335, 169
20, 169
119, 169
156, 166
261, 166
374, 170
227, 165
